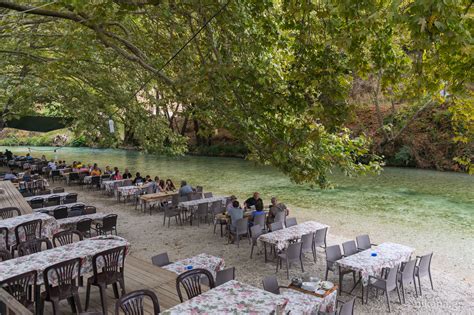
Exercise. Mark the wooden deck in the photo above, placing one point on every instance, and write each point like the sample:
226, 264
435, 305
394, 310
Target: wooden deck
139, 274
13, 198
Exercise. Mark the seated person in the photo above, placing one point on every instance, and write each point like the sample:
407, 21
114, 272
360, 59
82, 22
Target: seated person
258, 211
162, 185
116, 174
27, 176
236, 213
29, 157
169, 185
230, 202
252, 201
52, 165
108, 171
185, 188
96, 170
276, 207
127, 174
138, 179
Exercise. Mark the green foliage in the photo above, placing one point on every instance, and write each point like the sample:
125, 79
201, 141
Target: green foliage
275, 74
221, 149
403, 157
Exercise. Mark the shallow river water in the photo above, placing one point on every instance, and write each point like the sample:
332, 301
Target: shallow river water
400, 195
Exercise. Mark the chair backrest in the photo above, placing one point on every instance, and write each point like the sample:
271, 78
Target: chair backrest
408, 271
28, 230
76, 210
363, 242
291, 222
84, 226
36, 202
307, 242
280, 217
73, 176
195, 196
53, 200
160, 260
208, 195
57, 190
349, 247
109, 222
333, 253
132, 303
95, 180
242, 226
424, 264
66, 237
348, 307
320, 237
223, 276
256, 231
191, 282
55, 173
90, 210
9, 212
33, 246
293, 251
216, 207
5, 255
175, 200
113, 261
105, 176
270, 284
27, 194
275, 226
127, 182
392, 278
183, 199
70, 198
4, 238
63, 276
259, 220
19, 286
199, 189
60, 212
203, 208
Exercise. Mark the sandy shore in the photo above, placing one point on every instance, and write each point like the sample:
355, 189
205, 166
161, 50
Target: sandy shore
452, 262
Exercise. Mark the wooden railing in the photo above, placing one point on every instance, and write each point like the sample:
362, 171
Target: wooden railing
11, 305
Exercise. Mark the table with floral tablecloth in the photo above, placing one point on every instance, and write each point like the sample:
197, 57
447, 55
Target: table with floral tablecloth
70, 223
193, 204
49, 225
85, 250
52, 208
282, 238
111, 185
132, 190
62, 196
232, 297
388, 255
307, 304
202, 261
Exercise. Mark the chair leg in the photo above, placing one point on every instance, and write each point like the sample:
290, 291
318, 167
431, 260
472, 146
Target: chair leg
251, 251
88, 293
416, 289
403, 292
287, 269
419, 285
431, 280
301, 261
326, 277
122, 286
277, 263
103, 299
55, 306
398, 292
77, 302
116, 293
388, 300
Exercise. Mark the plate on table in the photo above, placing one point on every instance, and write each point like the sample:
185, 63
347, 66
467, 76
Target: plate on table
320, 292
326, 285
309, 286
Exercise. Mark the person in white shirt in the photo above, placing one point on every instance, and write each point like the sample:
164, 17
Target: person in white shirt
52, 165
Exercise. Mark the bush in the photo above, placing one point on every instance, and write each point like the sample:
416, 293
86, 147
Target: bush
79, 141
403, 157
221, 149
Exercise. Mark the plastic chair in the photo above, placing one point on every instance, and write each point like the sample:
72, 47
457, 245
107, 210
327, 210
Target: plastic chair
423, 269
255, 231
291, 254
66, 237
270, 284
347, 308
291, 222
60, 212
160, 260
191, 282
132, 303
333, 254
350, 248
276, 226
109, 224
33, 246
9, 212
84, 227
307, 245
19, 287
387, 285
223, 276
406, 276
363, 242
242, 228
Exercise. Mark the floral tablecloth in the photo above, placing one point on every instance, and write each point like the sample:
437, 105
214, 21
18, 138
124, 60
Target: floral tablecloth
70, 223
45, 197
48, 227
111, 185
195, 203
388, 256
52, 208
232, 297
131, 190
307, 304
281, 238
203, 261
85, 250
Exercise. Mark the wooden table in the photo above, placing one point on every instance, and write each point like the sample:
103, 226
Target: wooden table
13, 198
156, 197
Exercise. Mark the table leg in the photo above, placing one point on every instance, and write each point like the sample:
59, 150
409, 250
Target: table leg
265, 249
37, 299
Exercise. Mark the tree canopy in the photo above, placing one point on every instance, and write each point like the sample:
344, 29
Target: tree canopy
276, 74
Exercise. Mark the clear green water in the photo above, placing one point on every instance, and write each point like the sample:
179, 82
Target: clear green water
405, 196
